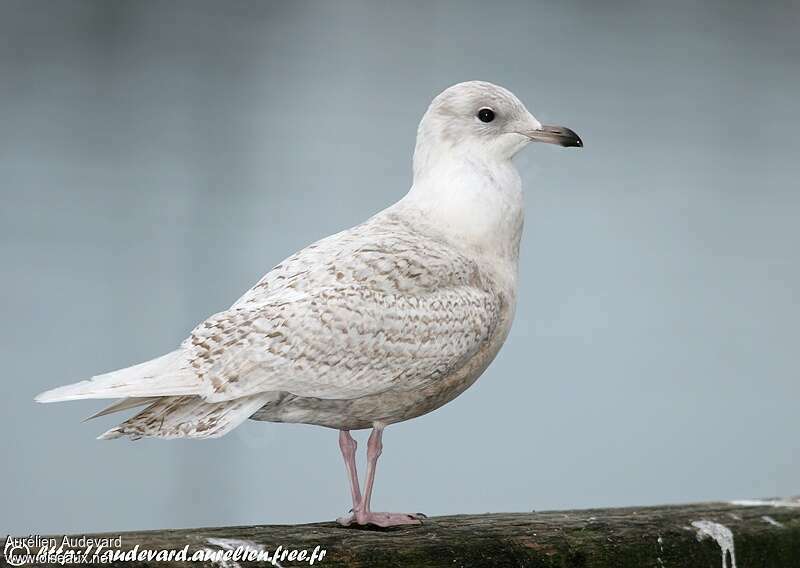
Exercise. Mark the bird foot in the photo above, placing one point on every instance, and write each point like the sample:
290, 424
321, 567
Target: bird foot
381, 519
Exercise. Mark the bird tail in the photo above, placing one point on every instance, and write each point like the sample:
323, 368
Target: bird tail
189, 417
167, 375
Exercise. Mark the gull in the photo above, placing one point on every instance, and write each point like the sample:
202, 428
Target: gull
374, 325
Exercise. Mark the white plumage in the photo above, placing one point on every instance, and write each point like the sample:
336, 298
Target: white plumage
374, 325
380, 307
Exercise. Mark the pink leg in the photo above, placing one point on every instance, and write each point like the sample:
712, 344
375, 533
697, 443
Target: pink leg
363, 515
374, 450
348, 446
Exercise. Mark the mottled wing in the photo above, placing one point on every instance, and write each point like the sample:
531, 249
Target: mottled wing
356, 314
343, 343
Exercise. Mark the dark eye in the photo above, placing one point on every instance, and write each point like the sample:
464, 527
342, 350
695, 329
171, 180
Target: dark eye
486, 115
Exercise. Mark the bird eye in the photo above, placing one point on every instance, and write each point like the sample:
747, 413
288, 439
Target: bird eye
486, 115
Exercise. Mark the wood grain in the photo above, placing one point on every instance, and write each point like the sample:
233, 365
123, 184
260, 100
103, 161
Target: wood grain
764, 534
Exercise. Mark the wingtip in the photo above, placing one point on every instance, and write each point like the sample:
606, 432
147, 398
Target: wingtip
97, 414
43, 397
63, 393
53, 395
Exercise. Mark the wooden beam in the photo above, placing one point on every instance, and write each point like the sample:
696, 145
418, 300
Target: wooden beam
759, 533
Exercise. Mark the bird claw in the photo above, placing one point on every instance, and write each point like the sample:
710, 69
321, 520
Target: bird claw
382, 520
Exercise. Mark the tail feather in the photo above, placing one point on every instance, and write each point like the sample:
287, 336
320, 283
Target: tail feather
164, 376
189, 417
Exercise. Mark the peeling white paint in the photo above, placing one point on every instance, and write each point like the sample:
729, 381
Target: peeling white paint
723, 537
233, 544
222, 563
771, 521
793, 502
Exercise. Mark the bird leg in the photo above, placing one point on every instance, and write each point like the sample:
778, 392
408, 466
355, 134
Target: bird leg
362, 515
348, 446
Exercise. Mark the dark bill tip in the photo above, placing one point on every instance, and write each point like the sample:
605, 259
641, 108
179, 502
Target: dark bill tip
559, 135
563, 136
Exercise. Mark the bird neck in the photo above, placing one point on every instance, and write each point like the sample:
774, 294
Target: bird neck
475, 203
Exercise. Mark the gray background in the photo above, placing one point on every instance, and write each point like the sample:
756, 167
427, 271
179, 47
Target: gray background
157, 157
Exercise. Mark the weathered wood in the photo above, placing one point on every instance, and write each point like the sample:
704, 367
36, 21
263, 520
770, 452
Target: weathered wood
763, 534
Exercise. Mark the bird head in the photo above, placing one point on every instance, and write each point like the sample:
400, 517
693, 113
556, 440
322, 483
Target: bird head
480, 120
